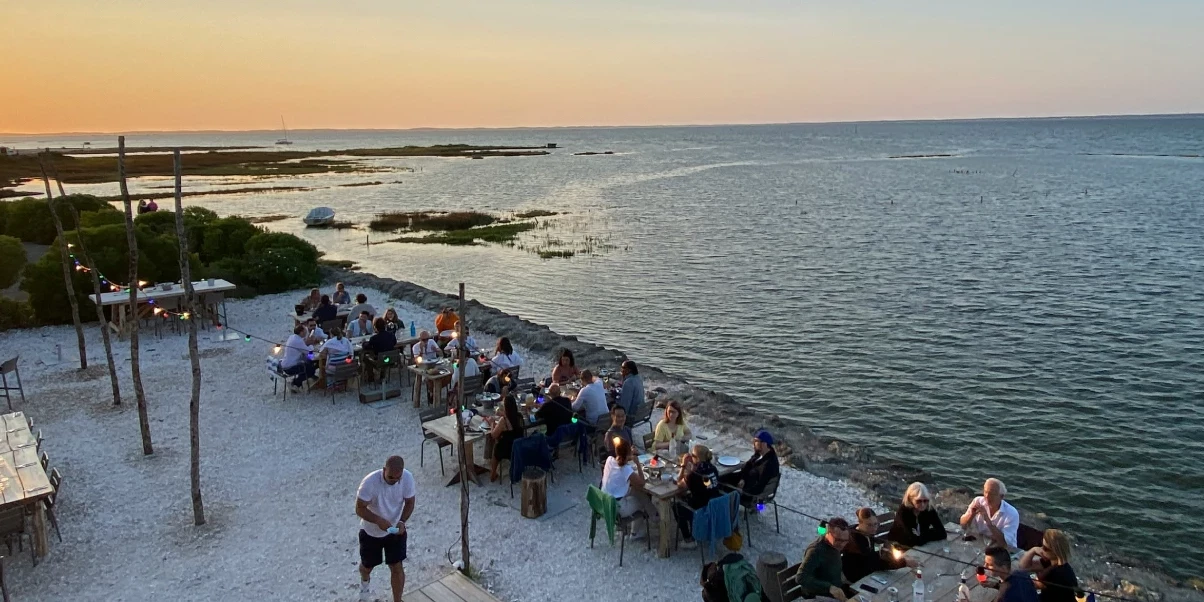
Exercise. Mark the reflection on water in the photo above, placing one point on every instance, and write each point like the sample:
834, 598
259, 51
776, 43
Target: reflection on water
1020, 309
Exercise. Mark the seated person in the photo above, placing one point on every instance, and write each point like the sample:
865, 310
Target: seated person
505, 428
393, 323
821, 574
1056, 581
470, 370
916, 521
312, 300
632, 395
337, 350
361, 326
701, 481
1014, 586
446, 320
556, 410
672, 430
341, 296
382, 342
505, 358
326, 311
618, 428
623, 478
426, 348
566, 368
861, 557
759, 470
296, 362
591, 399
361, 305
470, 343
314, 334
990, 516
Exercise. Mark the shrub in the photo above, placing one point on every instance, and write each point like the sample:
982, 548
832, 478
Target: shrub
3, 216
226, 237
94, 219
277, 270
261, 243
29, 219
43, 280
15, 314
12, 259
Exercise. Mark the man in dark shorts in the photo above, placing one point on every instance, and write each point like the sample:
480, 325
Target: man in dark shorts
384, 503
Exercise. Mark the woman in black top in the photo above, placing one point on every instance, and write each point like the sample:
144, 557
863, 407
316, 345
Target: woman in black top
701, 480
326, 311
506, 428
916, 523
1051, 563
392, 322
859, 558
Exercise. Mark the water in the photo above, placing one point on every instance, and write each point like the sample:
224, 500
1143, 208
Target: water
1031, 308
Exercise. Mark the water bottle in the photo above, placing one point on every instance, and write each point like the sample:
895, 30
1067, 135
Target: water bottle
413, 331
963, 590
917, 587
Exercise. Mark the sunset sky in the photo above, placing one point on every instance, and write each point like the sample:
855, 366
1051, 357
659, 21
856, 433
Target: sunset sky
121, 65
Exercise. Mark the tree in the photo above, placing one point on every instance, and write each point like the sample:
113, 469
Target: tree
58, 227
194, 403
132, 241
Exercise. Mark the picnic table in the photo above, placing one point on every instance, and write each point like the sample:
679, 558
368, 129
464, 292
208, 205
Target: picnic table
344, 311
664, 490
23, 480
445, 428
431, 379
941, 575
211, 297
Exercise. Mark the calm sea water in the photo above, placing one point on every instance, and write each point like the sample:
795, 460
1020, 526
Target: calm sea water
1031, 307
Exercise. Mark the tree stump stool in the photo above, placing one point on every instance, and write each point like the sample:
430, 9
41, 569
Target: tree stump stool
768, 565
535, 493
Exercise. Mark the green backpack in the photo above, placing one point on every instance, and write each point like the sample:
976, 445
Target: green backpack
742, 582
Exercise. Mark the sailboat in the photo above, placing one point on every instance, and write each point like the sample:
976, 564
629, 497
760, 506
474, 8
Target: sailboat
284, 139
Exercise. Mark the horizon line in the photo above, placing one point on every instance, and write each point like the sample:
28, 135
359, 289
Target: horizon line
624, 126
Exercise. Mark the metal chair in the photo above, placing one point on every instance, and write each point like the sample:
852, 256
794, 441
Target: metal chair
750, 502
10, 367
427, 415
338, 379
45, 461
3, 583
643, 416
13, 526
788, 583
623, 526
56, 481
40, 439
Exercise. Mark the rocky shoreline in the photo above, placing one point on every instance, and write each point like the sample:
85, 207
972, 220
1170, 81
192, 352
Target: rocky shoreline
1098, 567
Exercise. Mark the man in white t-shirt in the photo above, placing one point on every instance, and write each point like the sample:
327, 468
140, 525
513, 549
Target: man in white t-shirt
426, 348
384, 503
991, 516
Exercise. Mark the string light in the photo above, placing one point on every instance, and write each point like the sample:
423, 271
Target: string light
822, 529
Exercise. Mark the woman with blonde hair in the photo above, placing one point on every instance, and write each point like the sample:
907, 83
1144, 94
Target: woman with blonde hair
916, 522
672, 429
700, 479
1051, 563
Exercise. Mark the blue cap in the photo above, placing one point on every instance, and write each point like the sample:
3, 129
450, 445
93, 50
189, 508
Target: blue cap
764, 437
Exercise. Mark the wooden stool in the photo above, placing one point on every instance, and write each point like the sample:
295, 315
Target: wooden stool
535, 493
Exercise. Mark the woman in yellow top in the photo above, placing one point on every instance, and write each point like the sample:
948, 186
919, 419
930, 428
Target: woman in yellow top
672, 428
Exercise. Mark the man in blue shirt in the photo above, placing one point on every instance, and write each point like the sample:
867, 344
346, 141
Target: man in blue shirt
1014, 586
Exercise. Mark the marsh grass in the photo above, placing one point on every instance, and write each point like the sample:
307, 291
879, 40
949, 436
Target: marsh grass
430, 220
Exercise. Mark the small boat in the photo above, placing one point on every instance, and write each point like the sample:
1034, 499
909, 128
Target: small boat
284, 128
319, 216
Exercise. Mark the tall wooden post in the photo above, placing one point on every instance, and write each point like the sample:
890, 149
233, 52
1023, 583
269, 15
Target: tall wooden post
465, 469
66, 261
190, 305
132, 241
97, 288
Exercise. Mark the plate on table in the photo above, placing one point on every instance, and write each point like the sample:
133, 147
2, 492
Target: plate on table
645, 458
729, 461
489, 396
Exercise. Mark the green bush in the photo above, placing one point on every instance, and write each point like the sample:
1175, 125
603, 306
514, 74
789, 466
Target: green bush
29, 219
4, 216
12, 259
43, 280
261, 243
277, 270
15, 314
226, 237
94, 219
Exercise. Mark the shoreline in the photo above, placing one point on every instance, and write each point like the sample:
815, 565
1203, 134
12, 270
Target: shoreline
1097, 565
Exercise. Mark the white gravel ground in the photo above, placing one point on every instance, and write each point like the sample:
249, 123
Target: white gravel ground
279, 481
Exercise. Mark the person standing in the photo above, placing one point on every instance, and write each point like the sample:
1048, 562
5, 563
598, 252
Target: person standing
384, 502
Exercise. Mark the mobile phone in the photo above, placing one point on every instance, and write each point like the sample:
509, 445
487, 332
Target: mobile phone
879, 579
869, 588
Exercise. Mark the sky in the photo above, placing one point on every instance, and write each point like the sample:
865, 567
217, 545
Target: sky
126, 65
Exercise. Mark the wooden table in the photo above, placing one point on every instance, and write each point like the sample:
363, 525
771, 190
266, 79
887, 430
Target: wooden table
425, 379
445, 427
942, 574
121, 316
344, 311
23, 481
665, 490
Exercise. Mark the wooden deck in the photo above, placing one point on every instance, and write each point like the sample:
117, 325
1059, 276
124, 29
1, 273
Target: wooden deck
452, 588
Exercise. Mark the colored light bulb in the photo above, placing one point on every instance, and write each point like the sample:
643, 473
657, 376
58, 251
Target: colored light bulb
822, 529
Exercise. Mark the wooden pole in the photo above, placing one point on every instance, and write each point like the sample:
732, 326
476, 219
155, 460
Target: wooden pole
66, 262
465, 469
132, 241
97, 288
190, 304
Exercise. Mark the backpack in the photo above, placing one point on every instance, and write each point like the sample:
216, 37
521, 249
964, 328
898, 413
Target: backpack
714, 589
741, 581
